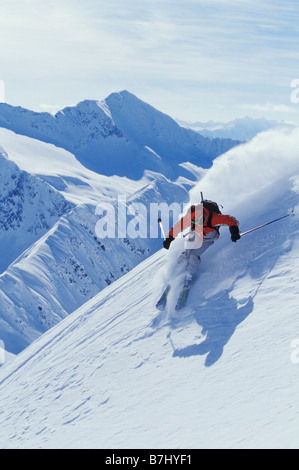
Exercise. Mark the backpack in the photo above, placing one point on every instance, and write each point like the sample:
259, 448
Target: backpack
212, 207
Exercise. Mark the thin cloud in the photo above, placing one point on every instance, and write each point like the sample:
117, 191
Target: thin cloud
269, 108
226, 50
49, 108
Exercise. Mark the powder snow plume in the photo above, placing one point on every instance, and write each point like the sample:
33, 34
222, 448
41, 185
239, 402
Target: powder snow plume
236, 175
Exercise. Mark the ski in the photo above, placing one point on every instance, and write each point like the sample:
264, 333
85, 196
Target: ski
184, 294
161, 304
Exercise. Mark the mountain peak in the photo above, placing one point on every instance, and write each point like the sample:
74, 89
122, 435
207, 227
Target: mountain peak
121, 135
124, 95
85, 106
126, 100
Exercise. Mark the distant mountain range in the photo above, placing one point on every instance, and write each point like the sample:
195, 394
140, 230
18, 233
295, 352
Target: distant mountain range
239, 129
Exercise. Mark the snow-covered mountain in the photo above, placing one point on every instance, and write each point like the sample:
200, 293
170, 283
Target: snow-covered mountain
29, 207
121, 136
242, 129
222, 373
105, 369
52, 260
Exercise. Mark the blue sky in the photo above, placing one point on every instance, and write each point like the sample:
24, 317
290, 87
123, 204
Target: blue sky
195, 60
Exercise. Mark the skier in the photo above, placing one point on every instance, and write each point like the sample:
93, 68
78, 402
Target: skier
202, 219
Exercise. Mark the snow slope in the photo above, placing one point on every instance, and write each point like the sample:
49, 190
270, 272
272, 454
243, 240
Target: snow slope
51, 259
29, 207
67, 267
60, 169
119, 374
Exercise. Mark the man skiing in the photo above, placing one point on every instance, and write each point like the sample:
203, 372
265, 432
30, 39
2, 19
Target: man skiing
205, 219
203, 222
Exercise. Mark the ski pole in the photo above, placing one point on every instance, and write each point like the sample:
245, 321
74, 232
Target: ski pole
161, 227
264, 225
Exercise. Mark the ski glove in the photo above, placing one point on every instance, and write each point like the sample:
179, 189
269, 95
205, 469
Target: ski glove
167, 242
235, 233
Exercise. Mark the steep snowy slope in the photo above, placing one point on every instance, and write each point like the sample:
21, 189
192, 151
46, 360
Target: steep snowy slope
60, 272
221, 373
48, 234
29, 207
118, 136
67, 267
60, 169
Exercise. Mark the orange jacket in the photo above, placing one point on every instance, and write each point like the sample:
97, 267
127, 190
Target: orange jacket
199, 216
